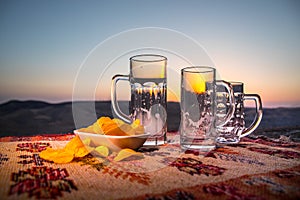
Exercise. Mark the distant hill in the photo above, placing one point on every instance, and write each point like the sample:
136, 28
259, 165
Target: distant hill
34, 117
37, 117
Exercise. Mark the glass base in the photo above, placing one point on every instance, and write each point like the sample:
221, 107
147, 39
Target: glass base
223, 140
198, 147
155, 141
198, 144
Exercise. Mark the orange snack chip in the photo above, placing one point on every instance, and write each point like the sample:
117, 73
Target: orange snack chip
48, 153
136, 123
81, 152
117, 131
117, 127
74, 148
57, 155
89, 129
137, 127
127, 153
118, 121
127, 129
63, 157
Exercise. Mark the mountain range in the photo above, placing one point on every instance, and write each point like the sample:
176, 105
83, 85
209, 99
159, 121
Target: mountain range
22, 118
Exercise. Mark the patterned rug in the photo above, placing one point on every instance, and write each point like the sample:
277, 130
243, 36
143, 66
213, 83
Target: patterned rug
257, 168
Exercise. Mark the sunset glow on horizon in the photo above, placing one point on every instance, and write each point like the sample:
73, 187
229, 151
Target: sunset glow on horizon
44, 44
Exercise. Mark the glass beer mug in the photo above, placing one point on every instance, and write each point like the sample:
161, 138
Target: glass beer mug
148, 82
198, 108
235, 128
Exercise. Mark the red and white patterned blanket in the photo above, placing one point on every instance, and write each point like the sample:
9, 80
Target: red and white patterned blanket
258, 168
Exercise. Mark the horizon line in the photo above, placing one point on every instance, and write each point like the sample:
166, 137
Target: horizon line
108, 100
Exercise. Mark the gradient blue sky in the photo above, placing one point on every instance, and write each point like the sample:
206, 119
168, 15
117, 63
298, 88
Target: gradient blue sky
43, 43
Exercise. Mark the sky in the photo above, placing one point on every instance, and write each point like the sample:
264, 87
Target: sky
44, 44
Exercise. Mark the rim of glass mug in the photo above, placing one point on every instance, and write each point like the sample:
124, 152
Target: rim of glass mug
237, 86
148, 58
197, 69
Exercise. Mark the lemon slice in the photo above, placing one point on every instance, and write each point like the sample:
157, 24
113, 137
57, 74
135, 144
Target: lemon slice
102, 151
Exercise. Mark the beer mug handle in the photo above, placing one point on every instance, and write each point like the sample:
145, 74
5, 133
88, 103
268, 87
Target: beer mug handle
231, 108
258, 115
113, 94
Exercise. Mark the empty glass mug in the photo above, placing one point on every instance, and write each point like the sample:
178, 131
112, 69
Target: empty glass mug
148, 82
198, 108
235, 129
